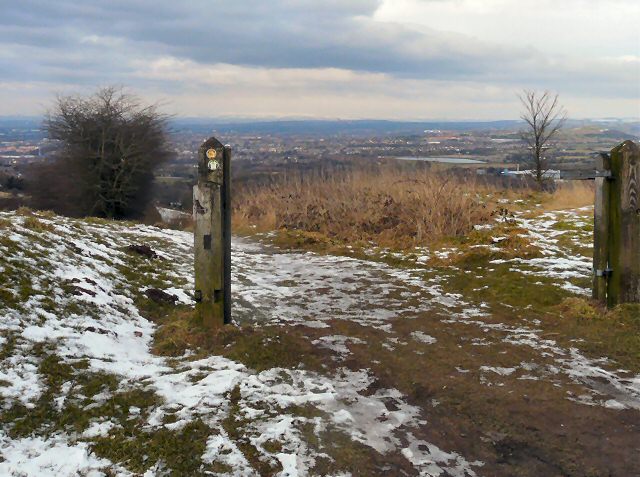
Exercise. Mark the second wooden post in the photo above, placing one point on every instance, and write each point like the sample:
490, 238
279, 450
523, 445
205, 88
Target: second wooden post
616, 259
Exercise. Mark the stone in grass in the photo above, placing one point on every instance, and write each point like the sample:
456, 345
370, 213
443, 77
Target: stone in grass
142, 249
159, 296
102, 331
77, 290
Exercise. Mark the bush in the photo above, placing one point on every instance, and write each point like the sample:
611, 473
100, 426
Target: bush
110, 145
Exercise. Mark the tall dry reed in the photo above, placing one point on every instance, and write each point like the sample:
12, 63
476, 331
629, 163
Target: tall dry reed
388, 206
570, 195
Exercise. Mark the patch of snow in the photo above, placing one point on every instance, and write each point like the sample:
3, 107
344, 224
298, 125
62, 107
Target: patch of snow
53, 457
498, 370
337, 343
423, 337
433, 462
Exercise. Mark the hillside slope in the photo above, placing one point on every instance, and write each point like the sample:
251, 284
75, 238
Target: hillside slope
343, 366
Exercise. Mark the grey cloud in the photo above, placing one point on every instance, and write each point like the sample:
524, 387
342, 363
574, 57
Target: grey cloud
259, 33
282, 33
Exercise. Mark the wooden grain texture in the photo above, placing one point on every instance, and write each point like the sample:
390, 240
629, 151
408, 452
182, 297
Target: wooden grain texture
226, 231
209, 242
624, 226
601, 230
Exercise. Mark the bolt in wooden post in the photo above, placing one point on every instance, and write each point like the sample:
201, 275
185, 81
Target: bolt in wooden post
601, 229
212, 234
624, 226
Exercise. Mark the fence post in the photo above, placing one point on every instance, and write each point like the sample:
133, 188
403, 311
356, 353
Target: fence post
601, 228
624, 236
616, 258
212, 234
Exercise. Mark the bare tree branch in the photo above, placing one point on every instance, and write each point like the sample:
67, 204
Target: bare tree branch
544, 117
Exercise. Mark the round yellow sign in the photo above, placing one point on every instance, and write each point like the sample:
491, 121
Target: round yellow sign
211, 153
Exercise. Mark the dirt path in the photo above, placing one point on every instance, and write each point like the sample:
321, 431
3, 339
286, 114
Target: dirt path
489, 383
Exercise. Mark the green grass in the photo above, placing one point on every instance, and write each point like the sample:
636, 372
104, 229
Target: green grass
613, 333
178, 451
257, 347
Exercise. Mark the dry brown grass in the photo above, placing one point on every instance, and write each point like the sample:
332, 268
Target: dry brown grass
389, 207
570, 195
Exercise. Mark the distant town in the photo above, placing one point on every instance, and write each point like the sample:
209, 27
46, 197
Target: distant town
264, 149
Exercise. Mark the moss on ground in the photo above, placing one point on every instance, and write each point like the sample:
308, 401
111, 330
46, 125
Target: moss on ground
9, 345
258, 348
503, 288
173, 452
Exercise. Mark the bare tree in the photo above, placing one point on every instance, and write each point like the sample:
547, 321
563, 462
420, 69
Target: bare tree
545, 117
111, 144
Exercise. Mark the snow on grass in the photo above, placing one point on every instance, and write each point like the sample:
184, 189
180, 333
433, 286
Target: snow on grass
80, 301
297, 287
430, 460
53, 457
559, 262
624, 388
337, 343
498, 370
77, 294
302, 287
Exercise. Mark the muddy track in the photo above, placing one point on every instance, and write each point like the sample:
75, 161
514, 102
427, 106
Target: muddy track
491, 387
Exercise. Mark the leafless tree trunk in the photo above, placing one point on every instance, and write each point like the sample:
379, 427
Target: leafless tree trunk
544, 117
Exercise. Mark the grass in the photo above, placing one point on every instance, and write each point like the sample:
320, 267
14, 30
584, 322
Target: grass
177, 452
129, 442
570, 195
258, 348
386, 206
389, 206
613, 333
505, 240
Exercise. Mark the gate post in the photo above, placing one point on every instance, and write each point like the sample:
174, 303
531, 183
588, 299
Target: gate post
212, 234
616, 256
624, 284
601, 213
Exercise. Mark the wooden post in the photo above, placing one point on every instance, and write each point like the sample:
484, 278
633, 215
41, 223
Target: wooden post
212, 234
601, 228
624, 235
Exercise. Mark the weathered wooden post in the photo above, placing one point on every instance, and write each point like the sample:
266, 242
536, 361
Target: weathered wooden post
616, 256
212, 234
601, 268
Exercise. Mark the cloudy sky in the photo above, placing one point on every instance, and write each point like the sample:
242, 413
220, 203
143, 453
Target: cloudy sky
396, 59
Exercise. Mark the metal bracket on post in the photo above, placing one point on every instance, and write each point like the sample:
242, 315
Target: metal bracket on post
212, 234
603, 273
605, 174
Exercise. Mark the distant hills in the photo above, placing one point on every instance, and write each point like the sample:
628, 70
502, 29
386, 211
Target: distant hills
364, 127
332, 127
